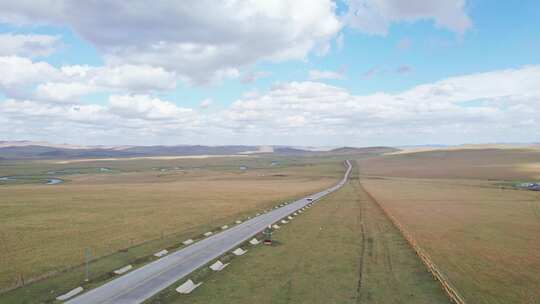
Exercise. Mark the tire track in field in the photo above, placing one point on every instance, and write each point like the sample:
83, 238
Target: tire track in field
382, 228
378, 236
362, 244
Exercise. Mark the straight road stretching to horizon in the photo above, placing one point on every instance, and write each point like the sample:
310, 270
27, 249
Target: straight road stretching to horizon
144, 282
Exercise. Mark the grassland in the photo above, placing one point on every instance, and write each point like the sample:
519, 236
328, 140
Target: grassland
156, 203
486, 164
343, 250
483, 237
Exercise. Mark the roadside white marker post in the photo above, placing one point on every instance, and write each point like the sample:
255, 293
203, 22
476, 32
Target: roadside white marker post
87, 256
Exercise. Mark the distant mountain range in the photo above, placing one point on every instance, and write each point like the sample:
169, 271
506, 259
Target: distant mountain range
43, 150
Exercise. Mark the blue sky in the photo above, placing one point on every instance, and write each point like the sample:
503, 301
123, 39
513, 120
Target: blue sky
188, 80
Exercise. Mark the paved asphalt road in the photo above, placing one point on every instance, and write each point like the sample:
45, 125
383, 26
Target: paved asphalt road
142, 283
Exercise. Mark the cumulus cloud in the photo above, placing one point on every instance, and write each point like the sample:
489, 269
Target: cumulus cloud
187, 38
146, 107
28, 45
125, 118
496, 106
320, 75
20, 74
449, 109
39, 80
376, 16
63, 91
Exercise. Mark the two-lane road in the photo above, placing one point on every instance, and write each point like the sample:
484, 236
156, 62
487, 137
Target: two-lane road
142, 283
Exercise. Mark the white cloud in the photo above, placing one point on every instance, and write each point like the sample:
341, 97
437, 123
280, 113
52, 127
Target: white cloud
496, 106
146, 107
296, 121
19, 75
28, 45
63, 91
445, 111
41, 81
201, 40
135, 78
126, 118
320, 75
376, 16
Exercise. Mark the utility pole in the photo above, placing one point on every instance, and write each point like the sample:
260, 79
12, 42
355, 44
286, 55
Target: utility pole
267, 235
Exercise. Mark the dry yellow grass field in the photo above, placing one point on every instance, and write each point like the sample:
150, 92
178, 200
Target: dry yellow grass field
46, 228
485, 239
502, 164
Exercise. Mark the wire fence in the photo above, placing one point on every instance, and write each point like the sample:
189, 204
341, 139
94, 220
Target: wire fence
450, 291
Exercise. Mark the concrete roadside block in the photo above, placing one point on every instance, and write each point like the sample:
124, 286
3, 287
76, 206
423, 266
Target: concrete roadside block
123, 269
275, 226
209, 233
290, 217
239, 251
218, 266
238, 222
254, 241
161, 253
187, 242
70, 294
224, 227
187, 287
284, 222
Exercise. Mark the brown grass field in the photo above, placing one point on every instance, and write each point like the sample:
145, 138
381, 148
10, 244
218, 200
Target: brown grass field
500, 164
46, 228
484, 238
